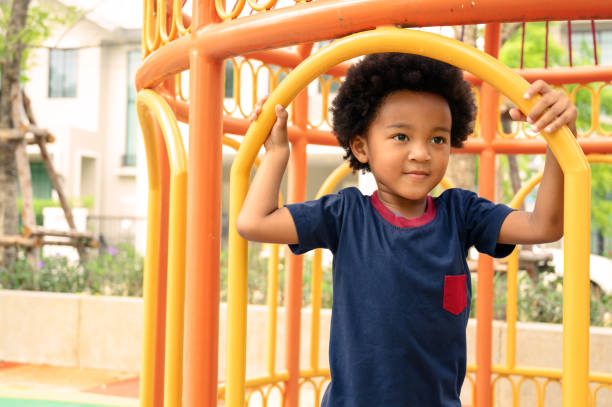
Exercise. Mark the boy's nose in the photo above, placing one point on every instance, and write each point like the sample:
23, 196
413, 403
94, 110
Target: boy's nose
419, 152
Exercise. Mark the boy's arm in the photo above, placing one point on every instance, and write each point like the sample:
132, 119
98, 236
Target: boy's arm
260, 218
545, 223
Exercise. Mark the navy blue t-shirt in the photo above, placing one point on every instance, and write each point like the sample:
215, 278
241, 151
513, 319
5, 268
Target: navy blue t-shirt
401, 293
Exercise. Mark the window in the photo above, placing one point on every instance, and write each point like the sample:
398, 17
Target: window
63, 73
131, 134
229, 78
41, 183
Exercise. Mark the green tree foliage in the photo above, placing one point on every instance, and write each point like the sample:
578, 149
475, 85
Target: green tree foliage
535, 46
43, 18
601, 198
533, 57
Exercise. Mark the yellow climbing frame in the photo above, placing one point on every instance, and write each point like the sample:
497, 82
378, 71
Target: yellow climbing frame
506, 81
153, 111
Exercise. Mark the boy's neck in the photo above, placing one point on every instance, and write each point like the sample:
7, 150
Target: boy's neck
405, 208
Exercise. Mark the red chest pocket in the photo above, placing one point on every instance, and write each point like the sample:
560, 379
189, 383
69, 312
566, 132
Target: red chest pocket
455, 296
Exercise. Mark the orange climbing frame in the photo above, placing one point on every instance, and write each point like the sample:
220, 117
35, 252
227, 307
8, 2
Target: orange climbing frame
200, 43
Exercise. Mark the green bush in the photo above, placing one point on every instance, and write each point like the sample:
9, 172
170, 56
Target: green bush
542, 300
119, 272
258, 279
115, 272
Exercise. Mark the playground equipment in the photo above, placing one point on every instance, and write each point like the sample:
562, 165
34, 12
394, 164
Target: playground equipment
192, 261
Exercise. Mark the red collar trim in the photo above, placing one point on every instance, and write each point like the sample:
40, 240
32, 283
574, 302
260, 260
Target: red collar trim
400, 221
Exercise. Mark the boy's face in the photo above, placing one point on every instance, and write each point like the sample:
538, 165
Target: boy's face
407, 146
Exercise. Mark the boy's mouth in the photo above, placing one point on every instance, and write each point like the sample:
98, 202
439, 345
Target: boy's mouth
417, 174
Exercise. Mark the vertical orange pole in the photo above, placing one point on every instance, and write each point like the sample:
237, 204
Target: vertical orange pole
204, 226
160, 329
293, 286
486, 186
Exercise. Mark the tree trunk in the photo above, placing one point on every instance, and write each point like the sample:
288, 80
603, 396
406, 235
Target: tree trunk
11, 72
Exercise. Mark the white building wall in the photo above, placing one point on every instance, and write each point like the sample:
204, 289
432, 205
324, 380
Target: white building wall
119, 196
94, 121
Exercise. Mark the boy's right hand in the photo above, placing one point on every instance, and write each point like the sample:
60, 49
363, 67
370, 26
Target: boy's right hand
260, 218
278, 137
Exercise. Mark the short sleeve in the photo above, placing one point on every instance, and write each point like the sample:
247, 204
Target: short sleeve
317, 223
483, 220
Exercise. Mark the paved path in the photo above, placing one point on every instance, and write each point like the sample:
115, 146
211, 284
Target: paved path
27, 385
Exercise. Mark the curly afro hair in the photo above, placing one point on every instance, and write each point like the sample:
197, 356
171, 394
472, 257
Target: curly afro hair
378, 75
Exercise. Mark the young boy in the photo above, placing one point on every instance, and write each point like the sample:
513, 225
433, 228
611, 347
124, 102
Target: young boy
401, 283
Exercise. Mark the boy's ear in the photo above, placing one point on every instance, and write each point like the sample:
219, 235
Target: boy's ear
359, 148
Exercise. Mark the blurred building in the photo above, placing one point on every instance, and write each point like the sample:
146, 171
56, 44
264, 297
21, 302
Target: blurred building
81, 84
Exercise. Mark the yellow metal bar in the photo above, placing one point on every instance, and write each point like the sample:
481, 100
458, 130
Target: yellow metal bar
258, 381
151, 260
576, 281
512, 279
543, 372
149, 101
512, 389
315, 305
511, 308
272, 307
446, 184
512, 275
562, 144
315, 372
150, 30
594, 104
272, 279
600, 158
596, 109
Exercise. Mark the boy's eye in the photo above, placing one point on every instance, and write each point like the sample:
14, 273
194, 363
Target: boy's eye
400, 137
438, 140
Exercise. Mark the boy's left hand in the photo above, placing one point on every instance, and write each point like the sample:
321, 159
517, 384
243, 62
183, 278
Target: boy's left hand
551, 112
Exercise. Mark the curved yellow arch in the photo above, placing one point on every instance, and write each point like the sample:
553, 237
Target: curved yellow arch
513, 262
562, 144
153, 110
272, 278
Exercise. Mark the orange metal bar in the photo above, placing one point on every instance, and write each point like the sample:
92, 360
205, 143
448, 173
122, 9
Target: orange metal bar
166, 61
486, 186
293, 286
235, 125
239, 126
291, 60
160, 331
589, 145
297, 193
204, 226
559, 76
317, 21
